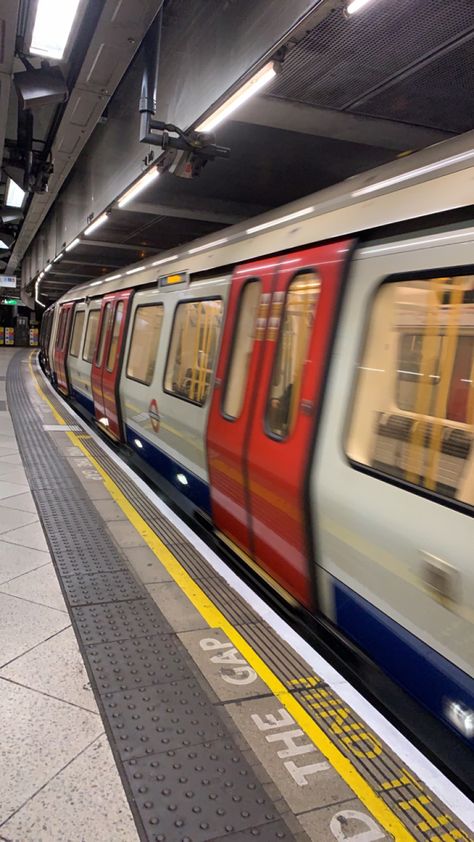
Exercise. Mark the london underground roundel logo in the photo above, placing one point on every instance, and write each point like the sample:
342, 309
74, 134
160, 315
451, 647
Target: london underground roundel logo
154, 415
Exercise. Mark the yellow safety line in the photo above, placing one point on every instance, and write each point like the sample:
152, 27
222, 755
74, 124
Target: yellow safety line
215, 619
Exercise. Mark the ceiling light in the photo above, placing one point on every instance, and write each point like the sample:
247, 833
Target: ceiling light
96, 224
52, 27
3, 245
58, 257
165, 260
96, 283
37, 293
245, 92
73, 245
139, 185
15, 195
406, 176
114, 278
208, 245
356, 5
280, 220
133, 271
48, 267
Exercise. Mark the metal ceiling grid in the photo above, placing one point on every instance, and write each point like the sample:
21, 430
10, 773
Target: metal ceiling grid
343, 59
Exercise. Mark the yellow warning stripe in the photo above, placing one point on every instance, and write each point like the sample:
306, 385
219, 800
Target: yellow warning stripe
215, 619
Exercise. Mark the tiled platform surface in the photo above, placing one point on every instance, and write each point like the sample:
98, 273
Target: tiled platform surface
58, 779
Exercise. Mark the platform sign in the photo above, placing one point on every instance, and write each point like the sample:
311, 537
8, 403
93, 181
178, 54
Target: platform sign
2, 336
9, 336
33, 337
7, 281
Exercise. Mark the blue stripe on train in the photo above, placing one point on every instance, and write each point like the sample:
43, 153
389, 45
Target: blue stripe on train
188, 484
86, 402
422, 671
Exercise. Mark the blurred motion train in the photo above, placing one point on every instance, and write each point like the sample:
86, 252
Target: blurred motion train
304, 382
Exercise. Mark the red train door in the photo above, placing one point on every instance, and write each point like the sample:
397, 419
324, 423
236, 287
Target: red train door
107, 361
61, 347
258, 460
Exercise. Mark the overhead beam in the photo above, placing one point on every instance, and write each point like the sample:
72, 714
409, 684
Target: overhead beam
290, 116
106, 244
220, 211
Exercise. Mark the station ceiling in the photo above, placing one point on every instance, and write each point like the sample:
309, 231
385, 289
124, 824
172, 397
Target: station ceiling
354, 92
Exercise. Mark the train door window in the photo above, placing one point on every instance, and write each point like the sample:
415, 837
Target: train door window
412, 416
61, 326
193, 349
115, 336
77, 333
103, 333
292, 353
244, 335
144, 343
91, 335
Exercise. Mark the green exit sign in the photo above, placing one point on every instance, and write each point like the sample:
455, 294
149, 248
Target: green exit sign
10, 301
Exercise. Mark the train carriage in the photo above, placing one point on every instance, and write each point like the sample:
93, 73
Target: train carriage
305, 382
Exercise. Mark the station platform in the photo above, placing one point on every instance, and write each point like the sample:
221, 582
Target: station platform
146, 693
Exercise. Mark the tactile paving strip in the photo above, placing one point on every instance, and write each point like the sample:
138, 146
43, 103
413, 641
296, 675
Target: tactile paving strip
198, 793
155, 719
119, 621
274, 832
87, 589
138, 667
125, 664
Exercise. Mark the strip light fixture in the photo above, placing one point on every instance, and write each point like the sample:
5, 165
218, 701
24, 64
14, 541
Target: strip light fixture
208, 245
52, 27
139, 185
355, 6
288, 218
165, 260
47, 267
37, 292
58, 257
113, 278
15, 196
96, 224
3, 245
73, 244
137, 269
258, 81
407, 176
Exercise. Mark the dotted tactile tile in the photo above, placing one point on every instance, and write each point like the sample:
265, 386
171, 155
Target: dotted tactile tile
80, 546
111, 621
198, 794
127, 664
273, 832
160, 718
113, 586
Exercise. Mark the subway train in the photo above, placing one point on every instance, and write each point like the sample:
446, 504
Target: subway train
304, 383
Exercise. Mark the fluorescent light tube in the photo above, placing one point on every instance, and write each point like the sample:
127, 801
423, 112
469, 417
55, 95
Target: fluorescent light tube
58, 257
165, 260
407, 176
3, 245
96, 283
96, 224
279, 221
48, 267
73, 245
139, 185
137, 269
15, 195
37, 293
112, 278
248, 90
208, 246
356, 5
52, 27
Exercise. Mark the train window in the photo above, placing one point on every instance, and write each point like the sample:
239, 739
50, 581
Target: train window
413, 411
103, 333
115, 336
244, 334
77, 333
144, 344
193, 349
292, 352
61, 326
91, 335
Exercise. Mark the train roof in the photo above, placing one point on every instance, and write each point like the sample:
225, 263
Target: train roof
437, 179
